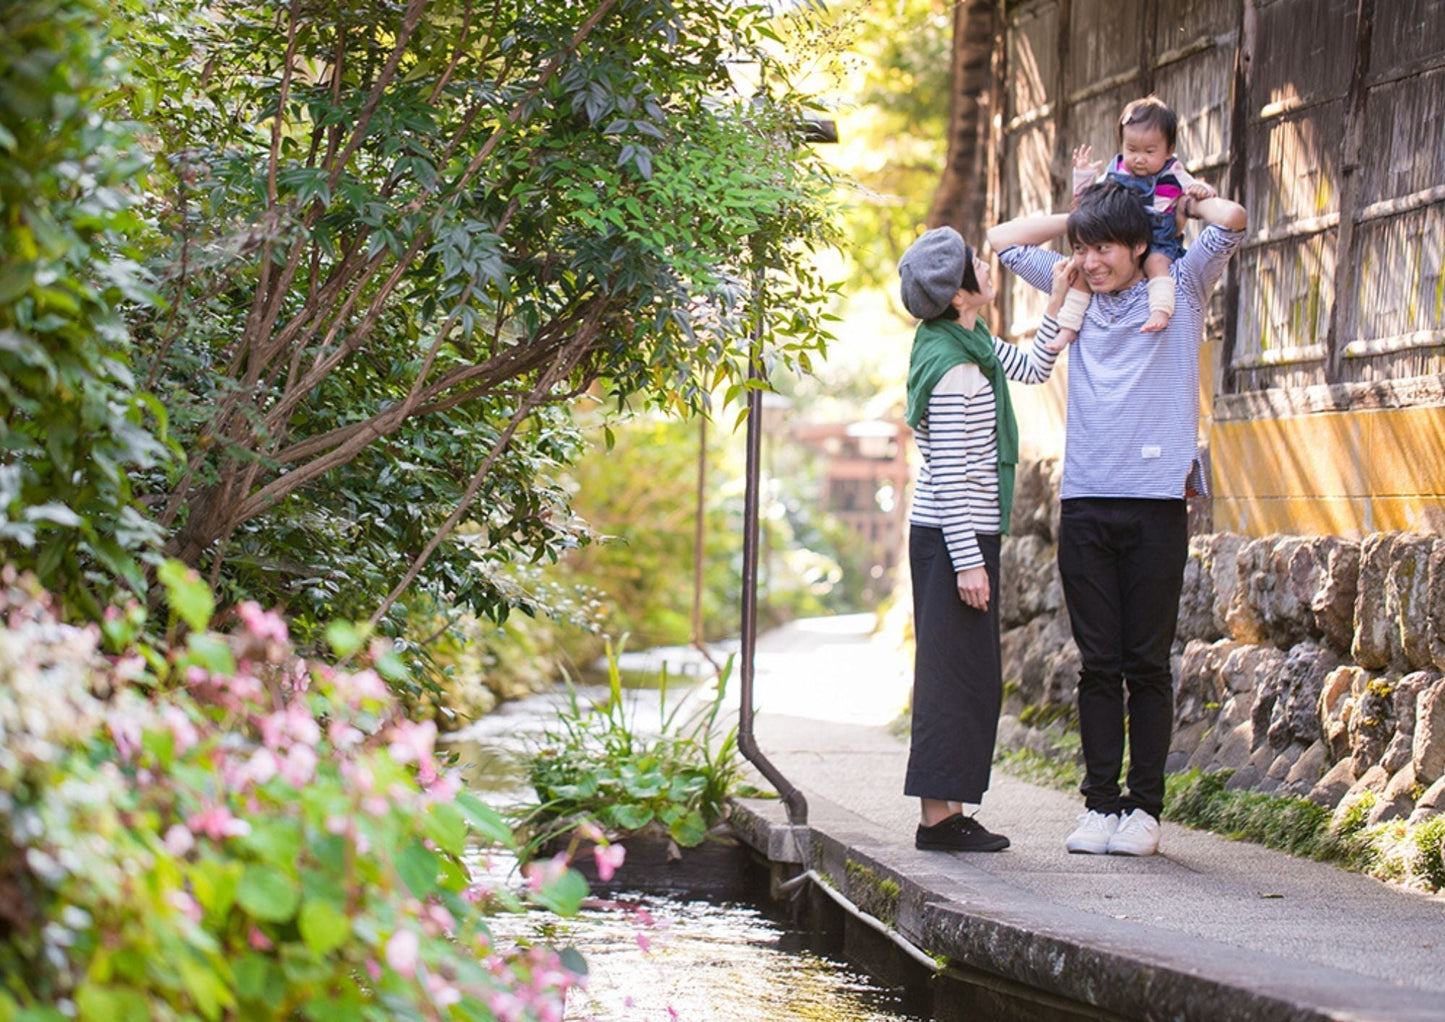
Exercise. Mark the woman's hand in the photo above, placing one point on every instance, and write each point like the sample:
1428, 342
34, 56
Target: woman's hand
973, 587
1067, 274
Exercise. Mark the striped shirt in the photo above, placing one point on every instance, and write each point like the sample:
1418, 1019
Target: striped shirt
957, 488
1133, 410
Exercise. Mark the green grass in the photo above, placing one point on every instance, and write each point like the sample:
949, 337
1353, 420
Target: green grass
1413, 856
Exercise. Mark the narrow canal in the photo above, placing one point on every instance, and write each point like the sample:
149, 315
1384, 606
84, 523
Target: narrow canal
690, 956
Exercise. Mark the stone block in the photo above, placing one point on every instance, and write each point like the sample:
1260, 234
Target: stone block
1428, 750
1235, 748
1206, 753
1245, 777
1196, 596
1407, 693
1236, 710
1061, 674
1222, 559
1395, 802
1333, 786
1373, 624
1431, 804
1250, 667
1245, 618
1332, 576
1198, 692
1307, 770
1280, 766
1407, 597
1295, 715
1372, 780
1187, 738
1435, 610
1372, 724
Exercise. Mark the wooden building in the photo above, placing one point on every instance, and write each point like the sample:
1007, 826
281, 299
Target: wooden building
1324, 399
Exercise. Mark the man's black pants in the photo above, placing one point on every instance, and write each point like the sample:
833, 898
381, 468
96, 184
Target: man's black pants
1122, 565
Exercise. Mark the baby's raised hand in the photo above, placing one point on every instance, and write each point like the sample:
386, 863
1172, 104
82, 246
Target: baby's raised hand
1200, 190
1084, 159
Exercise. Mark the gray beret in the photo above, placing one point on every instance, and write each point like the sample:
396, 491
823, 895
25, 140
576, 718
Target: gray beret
932, 271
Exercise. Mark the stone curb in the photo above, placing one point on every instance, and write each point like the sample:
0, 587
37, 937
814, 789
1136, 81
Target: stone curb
1126, 969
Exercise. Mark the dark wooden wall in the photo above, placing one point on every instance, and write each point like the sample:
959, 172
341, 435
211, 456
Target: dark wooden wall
1325, 118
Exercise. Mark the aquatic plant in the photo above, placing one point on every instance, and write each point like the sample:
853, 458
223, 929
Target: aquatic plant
595, 767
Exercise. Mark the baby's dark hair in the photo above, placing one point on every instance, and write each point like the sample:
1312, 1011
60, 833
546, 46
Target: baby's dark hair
1108, 212
1150, 112
969, 282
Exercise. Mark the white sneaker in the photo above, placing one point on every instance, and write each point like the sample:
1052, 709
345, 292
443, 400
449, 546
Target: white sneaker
1094, 835
1138, 834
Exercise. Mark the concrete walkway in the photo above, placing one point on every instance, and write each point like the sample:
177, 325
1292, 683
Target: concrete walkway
1209, 929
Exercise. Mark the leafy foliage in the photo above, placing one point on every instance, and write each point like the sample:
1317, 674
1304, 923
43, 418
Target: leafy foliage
73, 424
404, 237
262, 837
598, 769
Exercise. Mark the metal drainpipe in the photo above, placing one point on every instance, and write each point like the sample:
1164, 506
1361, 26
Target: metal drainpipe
793, 799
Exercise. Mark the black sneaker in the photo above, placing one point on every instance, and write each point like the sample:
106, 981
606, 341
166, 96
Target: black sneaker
958, 833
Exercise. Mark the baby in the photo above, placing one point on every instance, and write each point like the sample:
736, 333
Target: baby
1146, 165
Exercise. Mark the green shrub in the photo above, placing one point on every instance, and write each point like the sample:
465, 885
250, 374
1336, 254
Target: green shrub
224, 830
74, 425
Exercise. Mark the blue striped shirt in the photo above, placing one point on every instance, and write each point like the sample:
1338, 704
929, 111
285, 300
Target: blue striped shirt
957, 488
1133, 410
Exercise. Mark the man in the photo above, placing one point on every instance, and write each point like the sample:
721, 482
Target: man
1130, 450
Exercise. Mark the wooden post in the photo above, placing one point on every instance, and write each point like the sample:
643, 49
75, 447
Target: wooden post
1238, 176
1335, 340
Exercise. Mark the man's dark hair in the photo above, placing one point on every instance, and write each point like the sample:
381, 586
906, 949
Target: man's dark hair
969, 282
1109, 212
1150, 112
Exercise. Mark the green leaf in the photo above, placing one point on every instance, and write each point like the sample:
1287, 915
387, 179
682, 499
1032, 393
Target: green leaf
418, 868
188, 594
345, 638
213, 883
324, 927
629, 817
110, 1004
690, 830
211, 652
259, 979
485, 821
268, 894
447, 827
563, 895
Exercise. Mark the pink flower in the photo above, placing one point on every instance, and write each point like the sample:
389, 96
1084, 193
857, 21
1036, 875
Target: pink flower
403, 951
343, 735
299, 766
363, 686
216, 822
413, 743
186, 905
260, 768
258, 940
263, 624
179, 840
444, 788
540, 874
126, 732
609, 860
373, 970
443, 994
438, 915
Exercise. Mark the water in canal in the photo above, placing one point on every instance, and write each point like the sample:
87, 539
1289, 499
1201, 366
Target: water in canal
669, 957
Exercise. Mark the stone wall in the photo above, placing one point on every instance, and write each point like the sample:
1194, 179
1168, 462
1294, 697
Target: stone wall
1308, 665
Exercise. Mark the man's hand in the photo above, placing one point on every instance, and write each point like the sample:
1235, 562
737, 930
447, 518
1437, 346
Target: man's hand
973, 587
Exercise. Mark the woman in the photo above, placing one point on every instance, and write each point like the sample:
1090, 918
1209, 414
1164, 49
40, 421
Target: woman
963, 422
